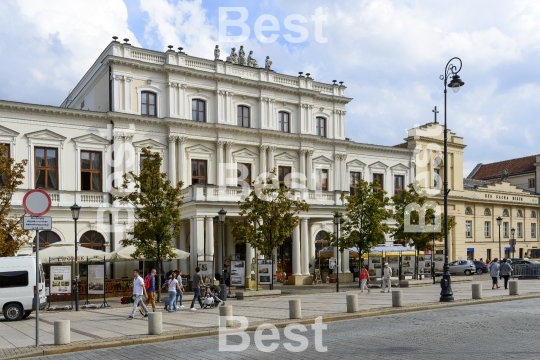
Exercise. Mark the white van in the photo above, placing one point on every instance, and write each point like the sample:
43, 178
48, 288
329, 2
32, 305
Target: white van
17, 286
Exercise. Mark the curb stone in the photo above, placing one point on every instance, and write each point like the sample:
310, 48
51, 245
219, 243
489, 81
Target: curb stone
29, 352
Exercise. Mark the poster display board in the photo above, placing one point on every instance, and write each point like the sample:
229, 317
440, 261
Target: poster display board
96, 279
438, 259
60, 281
238, 273
375, 266
408, 264
424, 269
207, 271
264, 272
393, 262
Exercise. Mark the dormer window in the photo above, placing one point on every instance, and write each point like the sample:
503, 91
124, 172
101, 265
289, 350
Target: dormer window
198, 110
243, 116
148, 103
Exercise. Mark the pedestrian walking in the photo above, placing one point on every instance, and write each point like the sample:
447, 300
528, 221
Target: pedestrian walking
494, 272
387, 274
172, 288
364, 277
180, 292
150, 286
197, 283
138, 291
505, 272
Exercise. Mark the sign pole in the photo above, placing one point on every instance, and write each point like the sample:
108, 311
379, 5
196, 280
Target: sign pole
36, 291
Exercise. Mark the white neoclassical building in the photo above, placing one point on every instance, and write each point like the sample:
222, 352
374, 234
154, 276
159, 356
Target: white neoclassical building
218, 125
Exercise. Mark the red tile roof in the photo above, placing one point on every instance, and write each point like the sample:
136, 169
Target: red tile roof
403, 145
513, 166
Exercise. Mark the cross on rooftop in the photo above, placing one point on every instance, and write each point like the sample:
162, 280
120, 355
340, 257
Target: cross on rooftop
435, 111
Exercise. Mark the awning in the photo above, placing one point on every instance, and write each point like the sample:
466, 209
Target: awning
124, 254
64, 253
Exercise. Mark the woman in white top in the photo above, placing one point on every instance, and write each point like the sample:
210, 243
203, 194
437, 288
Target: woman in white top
494, 272
173, 287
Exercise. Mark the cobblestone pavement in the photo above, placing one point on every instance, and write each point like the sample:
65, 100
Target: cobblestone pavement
493, 331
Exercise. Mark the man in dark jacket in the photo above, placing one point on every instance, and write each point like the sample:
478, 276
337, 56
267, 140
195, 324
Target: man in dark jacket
505, 271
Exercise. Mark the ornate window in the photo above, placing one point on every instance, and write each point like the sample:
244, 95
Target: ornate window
519, 230
243, 116
6, 153
320, 126
321, 176
46, 238
487, 212
519, 213
199, 172
468, 228
468, 211
148, 103
487, 229
284, 121
355, 178
399, 181
93, 240
90, 171
198, 110
380, 179
533, 214
505, 213
321, 240
46, 168
533, 230
243, 173
283, 171
506, 229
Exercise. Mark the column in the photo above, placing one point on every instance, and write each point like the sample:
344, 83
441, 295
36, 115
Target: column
230, 247
127, 93
342, 124
296, 252
344, 261
262, 159
183, 264
250, 255
171, 99
309, 169
302, 119
309, 119
116, 92
172, 159
302, 169
219, 163
180, 159
229, 166
219, 248
183, 108
118, 162
192, 246
271, 165
209, 238
305, 246
344, 174
336, 254
262, 110
311, 243
337, 171
197, 242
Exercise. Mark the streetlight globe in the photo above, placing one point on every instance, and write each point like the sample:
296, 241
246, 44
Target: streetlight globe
432, 217
221, 214
75, 210
456, 83
499, 220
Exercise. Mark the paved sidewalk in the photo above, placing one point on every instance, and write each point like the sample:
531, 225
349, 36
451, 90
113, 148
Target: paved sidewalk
100, 325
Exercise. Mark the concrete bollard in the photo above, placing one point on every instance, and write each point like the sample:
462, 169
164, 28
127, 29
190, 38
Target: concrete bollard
295, 309
62, 333
397, 298
514, 287
476, 291
155, 324
352, 303
224, 312
240, 295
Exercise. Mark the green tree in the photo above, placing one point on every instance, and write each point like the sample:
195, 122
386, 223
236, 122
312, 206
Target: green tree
364, 222
423, 238
12, 235
156, 206
268, 214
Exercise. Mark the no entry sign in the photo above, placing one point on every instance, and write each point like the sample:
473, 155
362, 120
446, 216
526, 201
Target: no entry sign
37, 202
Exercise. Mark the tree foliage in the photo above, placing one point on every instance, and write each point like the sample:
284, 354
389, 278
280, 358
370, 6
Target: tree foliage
156, 208
12, 235
268, 214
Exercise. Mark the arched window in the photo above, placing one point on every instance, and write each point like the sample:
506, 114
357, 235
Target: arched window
148, 103
243, 116
519, 213
468, 211
321, 240
284, 121
505, 213
320, 126
47, 238
93, 240
198, 110
487, 212
533, 214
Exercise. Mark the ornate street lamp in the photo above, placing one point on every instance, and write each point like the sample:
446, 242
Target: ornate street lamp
432, 217
452, 71
75, 211
337, 220
223, 287
499, 222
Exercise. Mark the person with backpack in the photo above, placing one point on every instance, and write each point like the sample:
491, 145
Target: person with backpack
150, 286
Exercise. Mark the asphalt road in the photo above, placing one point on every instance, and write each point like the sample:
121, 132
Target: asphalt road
507, 330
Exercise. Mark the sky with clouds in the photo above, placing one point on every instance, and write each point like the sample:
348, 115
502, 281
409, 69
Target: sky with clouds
389, 53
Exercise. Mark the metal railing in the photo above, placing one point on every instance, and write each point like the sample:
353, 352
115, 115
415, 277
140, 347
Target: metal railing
526, 270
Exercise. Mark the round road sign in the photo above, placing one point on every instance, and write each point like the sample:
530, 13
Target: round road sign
36, 202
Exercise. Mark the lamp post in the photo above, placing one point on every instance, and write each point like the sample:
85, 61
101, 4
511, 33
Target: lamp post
432, 217
223, 287
499, 222
452, 71
513, 243
337, 218
75, 210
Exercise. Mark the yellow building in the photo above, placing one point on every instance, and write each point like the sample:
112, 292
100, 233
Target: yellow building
475, 204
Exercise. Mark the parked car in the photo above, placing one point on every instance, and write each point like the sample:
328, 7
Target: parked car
481, 267
466, 267
525, 262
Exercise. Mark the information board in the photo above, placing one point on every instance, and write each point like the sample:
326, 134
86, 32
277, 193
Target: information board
60, 281
96, 279
238, 273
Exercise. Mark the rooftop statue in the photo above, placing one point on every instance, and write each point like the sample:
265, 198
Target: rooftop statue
217, 52
251, 61
233, 58
242, 56
267, 63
